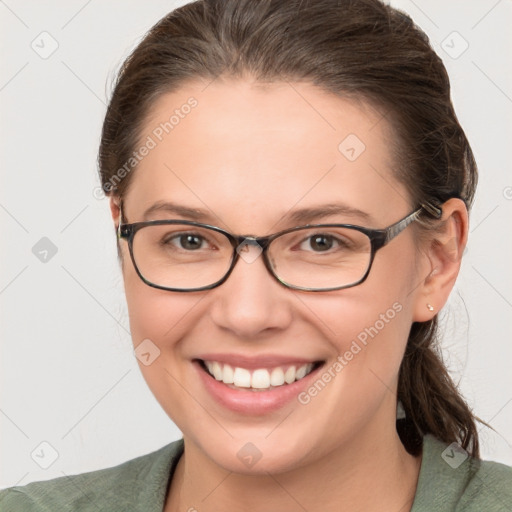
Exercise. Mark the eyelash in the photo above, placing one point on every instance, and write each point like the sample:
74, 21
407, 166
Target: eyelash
177, 236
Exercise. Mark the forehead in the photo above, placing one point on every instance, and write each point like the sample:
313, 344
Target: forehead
250, 152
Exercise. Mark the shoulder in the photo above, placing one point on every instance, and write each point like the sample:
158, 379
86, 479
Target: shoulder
452, 481
137, 484
489, 488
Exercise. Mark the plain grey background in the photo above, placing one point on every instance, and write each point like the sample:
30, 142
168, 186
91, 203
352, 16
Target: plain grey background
72, 396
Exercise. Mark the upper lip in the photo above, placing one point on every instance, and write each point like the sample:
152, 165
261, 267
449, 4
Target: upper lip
255, 362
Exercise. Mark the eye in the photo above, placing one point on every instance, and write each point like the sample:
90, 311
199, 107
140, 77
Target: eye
323, 242
186, 241
320, 242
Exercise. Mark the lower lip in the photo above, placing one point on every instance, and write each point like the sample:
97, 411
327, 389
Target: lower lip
253, 402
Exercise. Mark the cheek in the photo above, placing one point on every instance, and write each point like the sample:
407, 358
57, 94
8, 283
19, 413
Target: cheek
159, 320
368, 332
157, 317
368, 335
368, 325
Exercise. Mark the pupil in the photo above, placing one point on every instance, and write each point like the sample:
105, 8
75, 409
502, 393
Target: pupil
190, 241
319, 243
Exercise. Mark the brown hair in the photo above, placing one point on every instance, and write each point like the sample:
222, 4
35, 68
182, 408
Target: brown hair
361, 49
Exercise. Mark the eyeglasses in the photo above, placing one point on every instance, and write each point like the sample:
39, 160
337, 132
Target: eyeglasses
187, 256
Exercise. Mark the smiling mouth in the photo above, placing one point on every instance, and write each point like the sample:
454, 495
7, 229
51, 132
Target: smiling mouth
261, 379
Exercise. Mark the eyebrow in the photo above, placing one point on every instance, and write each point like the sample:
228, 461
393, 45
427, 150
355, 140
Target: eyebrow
300, 216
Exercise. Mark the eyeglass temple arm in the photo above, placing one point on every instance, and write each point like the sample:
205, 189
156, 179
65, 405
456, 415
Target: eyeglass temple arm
435, 211
397, 228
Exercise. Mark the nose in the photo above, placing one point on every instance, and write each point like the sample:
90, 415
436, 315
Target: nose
251, 301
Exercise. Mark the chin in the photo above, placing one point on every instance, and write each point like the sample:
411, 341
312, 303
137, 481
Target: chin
256, 455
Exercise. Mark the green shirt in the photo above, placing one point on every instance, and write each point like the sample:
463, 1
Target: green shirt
448, 482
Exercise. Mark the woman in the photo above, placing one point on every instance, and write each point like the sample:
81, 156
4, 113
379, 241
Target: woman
290, 187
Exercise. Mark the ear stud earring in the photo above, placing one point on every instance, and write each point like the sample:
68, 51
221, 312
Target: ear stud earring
430, 307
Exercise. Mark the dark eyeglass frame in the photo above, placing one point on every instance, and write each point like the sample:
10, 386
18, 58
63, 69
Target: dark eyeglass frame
378, 239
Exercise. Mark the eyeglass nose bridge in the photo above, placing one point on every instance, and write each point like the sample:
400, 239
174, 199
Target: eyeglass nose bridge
241, 244
241, 248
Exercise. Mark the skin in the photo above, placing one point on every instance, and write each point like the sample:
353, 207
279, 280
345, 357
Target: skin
249, 153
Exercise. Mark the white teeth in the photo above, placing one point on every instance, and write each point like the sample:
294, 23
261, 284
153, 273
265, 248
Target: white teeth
228, 374
277, 377
301, 372
209, 365
217, 370
289, 375
257, 379
260, 379
242, 378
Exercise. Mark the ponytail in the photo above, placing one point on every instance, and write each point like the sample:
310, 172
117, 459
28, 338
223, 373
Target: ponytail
429, 397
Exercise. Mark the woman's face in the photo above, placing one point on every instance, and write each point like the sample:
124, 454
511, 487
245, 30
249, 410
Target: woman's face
248, 156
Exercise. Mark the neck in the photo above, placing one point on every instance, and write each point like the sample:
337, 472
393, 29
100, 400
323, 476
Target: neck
371, 473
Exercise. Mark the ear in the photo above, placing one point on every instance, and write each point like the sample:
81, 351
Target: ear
115, 210
441, 260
